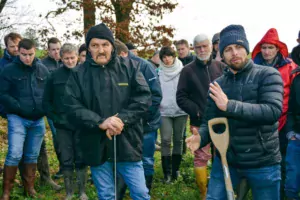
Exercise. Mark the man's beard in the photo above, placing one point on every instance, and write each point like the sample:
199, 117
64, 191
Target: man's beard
203, 58
237, 67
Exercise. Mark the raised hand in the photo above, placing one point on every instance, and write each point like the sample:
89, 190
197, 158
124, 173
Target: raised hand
219, 97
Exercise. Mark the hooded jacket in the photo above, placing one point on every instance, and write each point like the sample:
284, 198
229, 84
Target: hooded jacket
169, 77
284, 65
22, 88
255, 96
193, 86
95, 93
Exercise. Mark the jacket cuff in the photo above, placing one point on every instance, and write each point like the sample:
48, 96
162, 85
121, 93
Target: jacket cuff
231, 106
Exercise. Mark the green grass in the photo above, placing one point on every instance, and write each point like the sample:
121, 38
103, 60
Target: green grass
183, 189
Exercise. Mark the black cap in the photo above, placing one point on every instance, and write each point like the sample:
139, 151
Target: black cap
100, 31
130, 46
82, 48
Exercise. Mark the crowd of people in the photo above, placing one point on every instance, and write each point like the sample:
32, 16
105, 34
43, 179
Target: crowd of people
105, 106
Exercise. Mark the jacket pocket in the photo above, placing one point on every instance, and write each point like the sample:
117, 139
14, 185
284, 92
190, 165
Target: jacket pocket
41, 81
20, 83
262, 141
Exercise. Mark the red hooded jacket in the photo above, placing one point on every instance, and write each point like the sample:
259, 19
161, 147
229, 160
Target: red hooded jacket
284, 65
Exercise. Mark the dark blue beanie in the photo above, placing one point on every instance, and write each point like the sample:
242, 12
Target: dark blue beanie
233, 34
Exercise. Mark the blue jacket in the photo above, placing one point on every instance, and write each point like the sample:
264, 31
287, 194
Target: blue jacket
7, 58
22, 88
153, 119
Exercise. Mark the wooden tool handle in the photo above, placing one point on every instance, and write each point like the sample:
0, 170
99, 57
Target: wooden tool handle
219, 120
228, 184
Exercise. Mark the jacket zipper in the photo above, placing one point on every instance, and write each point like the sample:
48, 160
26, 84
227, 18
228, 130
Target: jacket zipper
208, 74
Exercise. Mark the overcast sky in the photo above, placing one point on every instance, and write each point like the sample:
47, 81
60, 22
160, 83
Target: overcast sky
193, 17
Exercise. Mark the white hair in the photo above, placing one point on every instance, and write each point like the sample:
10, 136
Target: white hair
200, 38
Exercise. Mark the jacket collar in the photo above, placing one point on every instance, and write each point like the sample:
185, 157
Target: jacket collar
280, 60
247, 67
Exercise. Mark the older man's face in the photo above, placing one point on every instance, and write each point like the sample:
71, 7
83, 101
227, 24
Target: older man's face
101, 50
203, 50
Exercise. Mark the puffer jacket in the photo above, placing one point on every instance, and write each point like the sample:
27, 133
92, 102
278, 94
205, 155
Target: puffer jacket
255, 97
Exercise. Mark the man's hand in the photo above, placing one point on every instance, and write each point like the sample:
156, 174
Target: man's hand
193, 142
219, 97
112, 125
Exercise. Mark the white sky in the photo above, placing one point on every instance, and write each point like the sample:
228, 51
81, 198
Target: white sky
192, 17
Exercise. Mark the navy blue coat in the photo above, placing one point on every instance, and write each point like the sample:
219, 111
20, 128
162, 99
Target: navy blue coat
22, 88
152, 120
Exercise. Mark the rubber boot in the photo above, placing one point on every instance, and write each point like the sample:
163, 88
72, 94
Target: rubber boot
43, 168
68, 179
242, 189
81, 182
184, 144
201, 179
29, 177
149, 180
166, 165
176, 160
9, 175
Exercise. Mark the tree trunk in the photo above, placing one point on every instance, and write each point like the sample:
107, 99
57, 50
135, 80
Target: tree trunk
89, 10
122, 12
2, 4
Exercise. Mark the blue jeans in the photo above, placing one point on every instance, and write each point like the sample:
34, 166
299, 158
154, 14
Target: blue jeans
132, 173
264, 181
148, 152
292, 182
24, 137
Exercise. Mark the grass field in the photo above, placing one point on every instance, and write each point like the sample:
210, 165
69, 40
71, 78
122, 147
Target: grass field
183, 189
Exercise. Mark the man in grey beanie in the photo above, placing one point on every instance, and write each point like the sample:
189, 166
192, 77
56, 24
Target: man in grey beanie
250, 97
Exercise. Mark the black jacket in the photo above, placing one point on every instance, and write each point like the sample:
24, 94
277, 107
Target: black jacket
293, 121
51, 64
22, 89
53, 97
193, 86
94, 93
152, 119
255, 97
296, 54
188, 59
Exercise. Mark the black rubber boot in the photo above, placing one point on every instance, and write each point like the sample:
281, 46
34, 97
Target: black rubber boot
176, 160
166, 165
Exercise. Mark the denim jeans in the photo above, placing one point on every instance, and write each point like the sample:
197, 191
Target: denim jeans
264, 181
132, 173
24, 137
148, 152
292, 182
